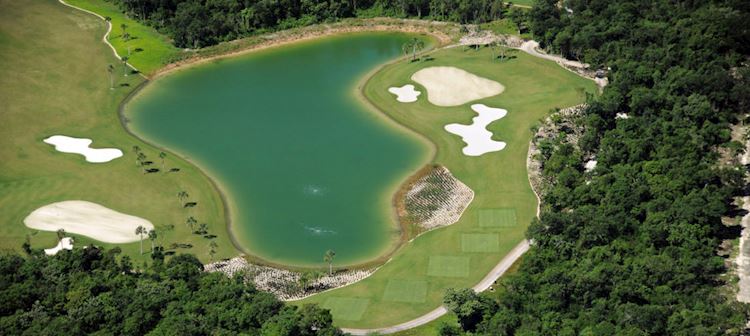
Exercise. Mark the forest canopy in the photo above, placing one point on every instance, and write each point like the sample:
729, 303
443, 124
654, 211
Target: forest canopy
199, 23
631, 248
93, 291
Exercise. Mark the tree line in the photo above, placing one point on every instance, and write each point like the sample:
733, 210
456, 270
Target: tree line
200, 23
631, 248
95, 291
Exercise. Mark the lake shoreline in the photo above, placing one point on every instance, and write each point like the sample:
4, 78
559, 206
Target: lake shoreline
392, 241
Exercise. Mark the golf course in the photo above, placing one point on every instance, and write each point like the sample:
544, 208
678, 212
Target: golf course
280, 154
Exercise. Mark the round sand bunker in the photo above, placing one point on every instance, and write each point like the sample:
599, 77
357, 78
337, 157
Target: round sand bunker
451, 86
87, 219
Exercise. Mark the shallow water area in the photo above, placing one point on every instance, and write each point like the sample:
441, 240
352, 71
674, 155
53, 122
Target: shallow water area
306, 167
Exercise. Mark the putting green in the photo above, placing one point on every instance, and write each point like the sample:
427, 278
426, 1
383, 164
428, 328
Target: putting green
503, 199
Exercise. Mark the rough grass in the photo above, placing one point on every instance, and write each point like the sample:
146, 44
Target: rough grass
149, 50
533, 88
55, 82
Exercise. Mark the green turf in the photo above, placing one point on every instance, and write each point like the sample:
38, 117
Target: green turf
480, 242
405, 291
55, 82
448, 266
533, 87
501, 218
350, 309
149, 50
522, 3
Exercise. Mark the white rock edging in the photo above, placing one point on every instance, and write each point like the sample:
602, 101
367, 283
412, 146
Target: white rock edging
68, 144
405, 94
476, 136
285, 284
87, 219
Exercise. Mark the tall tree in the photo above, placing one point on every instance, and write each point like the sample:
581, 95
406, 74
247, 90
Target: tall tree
140, 231
182, 196
60, 234
152, 237
328, 258
111, 72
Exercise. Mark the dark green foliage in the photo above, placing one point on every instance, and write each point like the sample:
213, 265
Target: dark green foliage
199, 23
631, 248
86, 291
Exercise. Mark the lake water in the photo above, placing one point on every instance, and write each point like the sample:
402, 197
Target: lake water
305, 165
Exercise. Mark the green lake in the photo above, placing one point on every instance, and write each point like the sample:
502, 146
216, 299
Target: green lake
305, 165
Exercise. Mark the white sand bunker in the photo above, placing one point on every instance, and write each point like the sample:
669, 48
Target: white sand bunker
476, 136
405, 94
88, 219
64, 244
450, 86
68, 144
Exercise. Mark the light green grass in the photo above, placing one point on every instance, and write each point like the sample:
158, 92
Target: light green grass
55, 82
522, 3
448, 266
533, 87
156, 49
480, 242
345, 308
405, 290
497, 218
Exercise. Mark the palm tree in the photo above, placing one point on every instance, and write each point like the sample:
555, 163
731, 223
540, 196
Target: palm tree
60, 234
212, 248
124, 65
140, 231
141, 159
152, 236
328, 257
123, 27
203, 228
413, 45
162, 155
111, 71
190, 221
182, 196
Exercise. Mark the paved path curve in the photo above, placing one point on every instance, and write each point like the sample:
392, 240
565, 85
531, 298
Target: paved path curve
106, 35
483, 285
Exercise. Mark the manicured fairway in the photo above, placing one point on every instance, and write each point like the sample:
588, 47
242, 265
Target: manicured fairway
504, 205
55, 82
149, 50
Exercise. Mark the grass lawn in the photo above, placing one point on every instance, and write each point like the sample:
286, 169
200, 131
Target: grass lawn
149, 50
522, 3
504, 205
503, 27
55, 82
